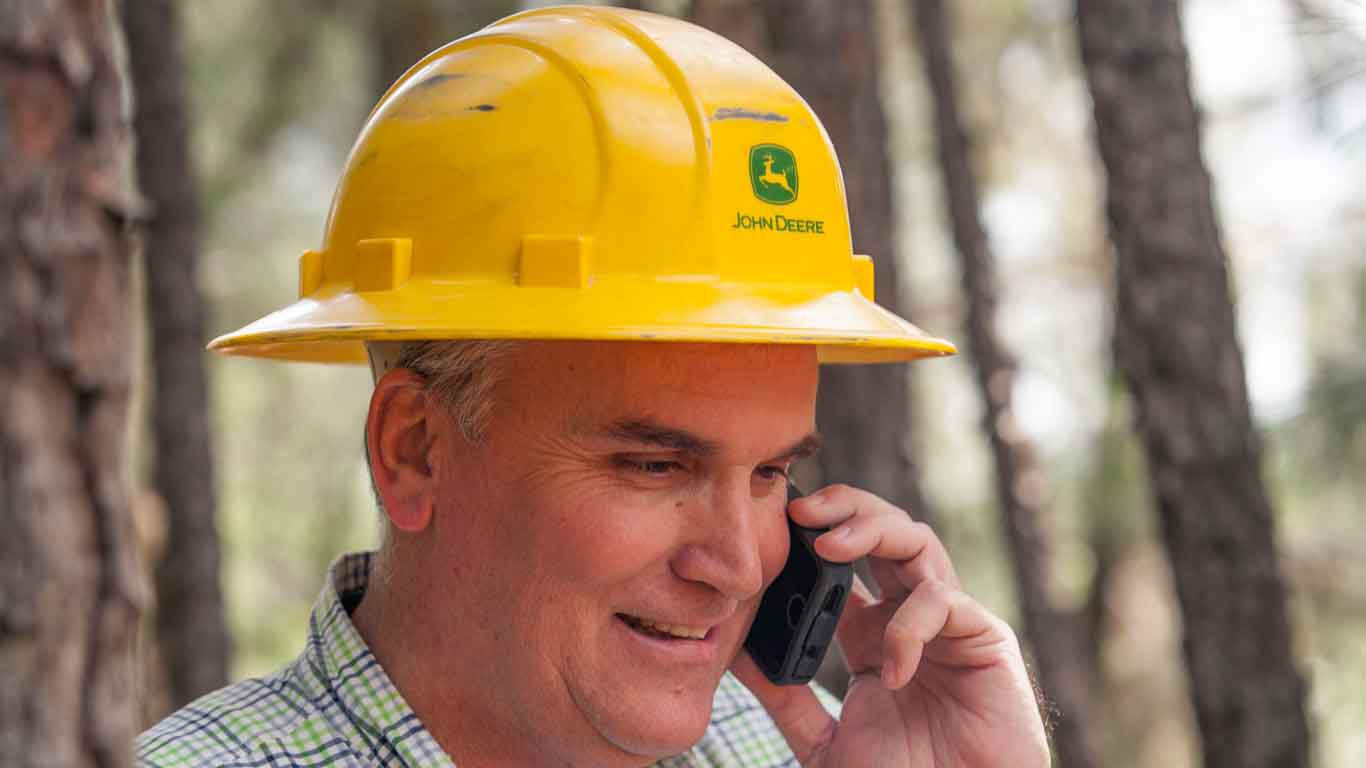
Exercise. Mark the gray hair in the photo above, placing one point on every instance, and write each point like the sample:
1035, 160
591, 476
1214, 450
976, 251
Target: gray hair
460, 374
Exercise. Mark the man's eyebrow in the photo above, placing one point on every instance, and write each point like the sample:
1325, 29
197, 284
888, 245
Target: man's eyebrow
651, 433
806, 447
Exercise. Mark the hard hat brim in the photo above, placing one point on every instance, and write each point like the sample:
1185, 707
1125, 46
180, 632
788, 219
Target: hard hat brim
332, 327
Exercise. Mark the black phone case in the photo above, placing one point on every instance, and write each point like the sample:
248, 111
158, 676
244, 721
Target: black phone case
798, 613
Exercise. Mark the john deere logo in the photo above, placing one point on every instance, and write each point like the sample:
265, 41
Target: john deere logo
773, 173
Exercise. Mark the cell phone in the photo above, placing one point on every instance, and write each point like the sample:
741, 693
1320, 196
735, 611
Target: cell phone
798, 613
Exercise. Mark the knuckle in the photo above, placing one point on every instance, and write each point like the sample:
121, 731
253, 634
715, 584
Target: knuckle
900, 632
1006, 631
924, 530
836, 491
923, 539
934, 587
938, 591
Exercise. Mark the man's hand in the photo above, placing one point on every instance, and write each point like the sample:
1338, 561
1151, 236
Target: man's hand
937, 679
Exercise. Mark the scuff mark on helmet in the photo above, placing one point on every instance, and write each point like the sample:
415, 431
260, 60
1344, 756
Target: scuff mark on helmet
740, 113
437, 79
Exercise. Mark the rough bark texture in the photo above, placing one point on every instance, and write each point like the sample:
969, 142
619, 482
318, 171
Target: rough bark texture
827, 52
192, 634
1176, 345
70, 588
1051, 633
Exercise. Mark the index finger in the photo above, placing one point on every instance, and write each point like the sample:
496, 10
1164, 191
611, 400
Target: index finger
901, 552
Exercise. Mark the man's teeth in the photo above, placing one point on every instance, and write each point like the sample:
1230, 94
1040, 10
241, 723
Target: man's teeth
671, 630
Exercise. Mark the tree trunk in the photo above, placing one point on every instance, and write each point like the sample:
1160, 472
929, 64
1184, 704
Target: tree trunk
1052, 634
70, 587
407, 30
1177, 347
827, 51
191, 632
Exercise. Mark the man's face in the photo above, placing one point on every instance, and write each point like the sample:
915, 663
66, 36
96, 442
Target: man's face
619, 486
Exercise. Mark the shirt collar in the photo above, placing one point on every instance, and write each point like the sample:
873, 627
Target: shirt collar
342, 663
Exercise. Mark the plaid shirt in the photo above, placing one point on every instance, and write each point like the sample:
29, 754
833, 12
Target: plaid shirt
335, 706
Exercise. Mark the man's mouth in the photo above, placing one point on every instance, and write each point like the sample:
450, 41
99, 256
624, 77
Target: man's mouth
662, 630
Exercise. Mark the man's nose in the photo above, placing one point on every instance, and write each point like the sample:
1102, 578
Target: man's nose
724, 544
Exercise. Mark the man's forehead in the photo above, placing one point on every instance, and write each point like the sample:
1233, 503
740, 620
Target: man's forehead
717, 371
704, 368
701, 399
647, 432
670, 353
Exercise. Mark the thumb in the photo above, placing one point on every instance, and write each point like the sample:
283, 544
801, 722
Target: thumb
795, 709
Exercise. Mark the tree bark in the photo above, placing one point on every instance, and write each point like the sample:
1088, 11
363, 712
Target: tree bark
192, 634
70, 587
1177, 348
1052, 634
827, 51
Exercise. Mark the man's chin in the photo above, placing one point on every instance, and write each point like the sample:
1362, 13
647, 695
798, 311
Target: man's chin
657, 729
657, 744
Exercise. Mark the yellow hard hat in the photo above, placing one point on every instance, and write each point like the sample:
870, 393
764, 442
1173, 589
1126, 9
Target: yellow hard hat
588, 173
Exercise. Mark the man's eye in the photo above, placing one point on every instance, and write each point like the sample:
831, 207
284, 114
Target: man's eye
772, 473
657, 467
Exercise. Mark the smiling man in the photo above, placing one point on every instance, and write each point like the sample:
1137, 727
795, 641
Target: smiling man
611, 530
590, 389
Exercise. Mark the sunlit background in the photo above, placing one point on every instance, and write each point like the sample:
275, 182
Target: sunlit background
279, 91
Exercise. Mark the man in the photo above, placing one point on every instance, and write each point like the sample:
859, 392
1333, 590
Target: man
595, 291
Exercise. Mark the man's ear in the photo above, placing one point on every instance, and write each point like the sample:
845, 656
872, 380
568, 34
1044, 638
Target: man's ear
400, 436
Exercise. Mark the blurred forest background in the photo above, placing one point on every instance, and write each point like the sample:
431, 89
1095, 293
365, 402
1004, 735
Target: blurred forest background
278, 91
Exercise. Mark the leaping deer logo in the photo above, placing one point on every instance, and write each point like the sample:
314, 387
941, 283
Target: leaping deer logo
770, 178
773, 173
